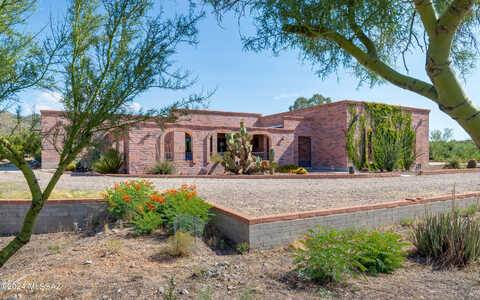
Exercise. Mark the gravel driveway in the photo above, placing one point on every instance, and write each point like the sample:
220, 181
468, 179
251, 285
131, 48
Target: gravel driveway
259, 197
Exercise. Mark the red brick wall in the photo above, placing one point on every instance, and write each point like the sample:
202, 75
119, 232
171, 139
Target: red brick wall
49, 155
326, 125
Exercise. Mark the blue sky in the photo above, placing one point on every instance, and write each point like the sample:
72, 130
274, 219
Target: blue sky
258, 82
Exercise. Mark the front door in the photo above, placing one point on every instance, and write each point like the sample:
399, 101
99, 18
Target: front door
304, 151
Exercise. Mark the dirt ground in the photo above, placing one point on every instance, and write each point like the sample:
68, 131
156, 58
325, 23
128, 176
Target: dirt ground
115, 265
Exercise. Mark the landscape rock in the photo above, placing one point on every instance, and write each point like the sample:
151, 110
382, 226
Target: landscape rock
184, 292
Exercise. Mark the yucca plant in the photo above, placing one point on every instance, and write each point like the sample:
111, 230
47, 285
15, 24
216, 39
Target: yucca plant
447, 239
109, 162
163, 167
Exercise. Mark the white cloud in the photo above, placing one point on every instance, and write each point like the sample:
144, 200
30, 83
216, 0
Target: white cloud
286, 96
43, 101
135, 106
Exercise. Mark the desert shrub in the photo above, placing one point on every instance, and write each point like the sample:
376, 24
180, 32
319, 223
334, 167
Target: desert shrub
287, 169
70, 167
243, 247
112, 247
469, 211
472, 163
453, 164
147, 209
125, 198
109, 162
163, 167
380, 251
301, 171
331, 255
447, 239
146, 221
180, 244
183, 201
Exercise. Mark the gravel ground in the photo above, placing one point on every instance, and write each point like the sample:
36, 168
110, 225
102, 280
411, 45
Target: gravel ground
258, 197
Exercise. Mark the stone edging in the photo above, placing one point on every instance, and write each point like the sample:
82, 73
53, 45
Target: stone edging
449, 171
286, 176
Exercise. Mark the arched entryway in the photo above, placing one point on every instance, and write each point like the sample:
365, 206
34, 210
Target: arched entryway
177, 146
261, 146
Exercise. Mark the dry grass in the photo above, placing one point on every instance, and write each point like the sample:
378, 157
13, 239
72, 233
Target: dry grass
19, 191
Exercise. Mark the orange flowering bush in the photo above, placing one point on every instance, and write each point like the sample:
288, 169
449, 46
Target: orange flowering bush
138, 202
127, 197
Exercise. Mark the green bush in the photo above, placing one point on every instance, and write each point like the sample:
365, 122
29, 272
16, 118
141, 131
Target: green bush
163, 167
447, 239
147, 209
287, 169
109, 162
146, 221
183, 201
386, 150
453, 164
243, 247
331, 255
472, 163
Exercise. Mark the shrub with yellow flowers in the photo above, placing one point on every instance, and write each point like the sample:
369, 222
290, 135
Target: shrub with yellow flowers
138, 202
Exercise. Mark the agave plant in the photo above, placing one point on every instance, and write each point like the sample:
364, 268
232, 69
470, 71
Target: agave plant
109, 162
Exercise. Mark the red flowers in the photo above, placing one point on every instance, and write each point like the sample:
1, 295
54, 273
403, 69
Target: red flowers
126, 198
151, 206
157, 198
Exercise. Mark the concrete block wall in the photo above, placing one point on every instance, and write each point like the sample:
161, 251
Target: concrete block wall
57, 215
281, 230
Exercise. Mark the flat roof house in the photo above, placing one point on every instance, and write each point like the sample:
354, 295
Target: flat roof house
314, 137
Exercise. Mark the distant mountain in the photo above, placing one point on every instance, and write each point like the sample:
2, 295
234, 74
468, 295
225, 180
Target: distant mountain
8, 121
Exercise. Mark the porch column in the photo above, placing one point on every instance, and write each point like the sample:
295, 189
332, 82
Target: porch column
214, 143
161, 146
126, 150
179, 145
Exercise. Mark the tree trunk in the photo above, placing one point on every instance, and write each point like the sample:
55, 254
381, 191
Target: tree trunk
38, 201
26, 232
452, 98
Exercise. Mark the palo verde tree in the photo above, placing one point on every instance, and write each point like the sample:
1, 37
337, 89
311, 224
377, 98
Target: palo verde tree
110, 51
302, 102
23, 63
374, 39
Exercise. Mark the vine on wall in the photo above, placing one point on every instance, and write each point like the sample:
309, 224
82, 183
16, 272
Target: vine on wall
380, 137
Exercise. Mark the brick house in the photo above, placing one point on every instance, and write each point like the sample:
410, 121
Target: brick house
312, 137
